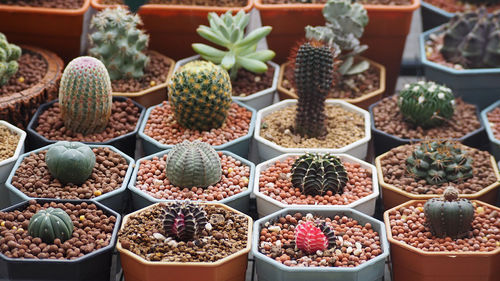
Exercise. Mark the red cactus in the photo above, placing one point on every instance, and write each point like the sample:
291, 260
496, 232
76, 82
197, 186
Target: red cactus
310, 238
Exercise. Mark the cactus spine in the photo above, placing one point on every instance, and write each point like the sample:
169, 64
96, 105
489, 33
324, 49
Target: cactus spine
9, 54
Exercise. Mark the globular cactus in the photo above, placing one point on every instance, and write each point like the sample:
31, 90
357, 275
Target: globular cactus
184, 221
426, 104
118, 43
85, 96
316, 174
449, 216
50, 224
193, 164
200, 95
70, 162
9, 54
311, 237
439, 162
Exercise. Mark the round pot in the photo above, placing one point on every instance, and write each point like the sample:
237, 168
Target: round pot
6, 165
494, 142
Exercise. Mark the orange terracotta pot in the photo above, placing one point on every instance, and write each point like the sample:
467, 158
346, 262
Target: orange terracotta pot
58, 30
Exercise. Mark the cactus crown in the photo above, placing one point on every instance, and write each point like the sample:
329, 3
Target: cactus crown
426, 104
184, 221
193, 164
118, 43
316, 174
472, 39
50, 224
439, 162
9, 54
314, 236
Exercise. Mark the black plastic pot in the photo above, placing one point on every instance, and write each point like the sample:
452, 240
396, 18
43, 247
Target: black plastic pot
125, 143
95, 266
433, 16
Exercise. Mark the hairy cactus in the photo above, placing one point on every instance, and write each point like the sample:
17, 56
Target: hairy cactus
193, 164
448, 215
200, 95
311, 237
184, 221
472, 39
118, 43
70, 162
426, 104
316, 174
50, 224
439, 162
9, 54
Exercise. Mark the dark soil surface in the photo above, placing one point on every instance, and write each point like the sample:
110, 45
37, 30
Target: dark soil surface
32, 68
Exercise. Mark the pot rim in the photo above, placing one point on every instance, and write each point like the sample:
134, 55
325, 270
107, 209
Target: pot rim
486, 122
47, 11
370, 7
151, 8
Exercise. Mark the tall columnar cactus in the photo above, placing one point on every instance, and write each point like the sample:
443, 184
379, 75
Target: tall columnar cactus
9, 54
193, 164
426, 104
184, 221
449, 216
50, 224
118, 43
70, 161
85, 96
472, 39
200, 94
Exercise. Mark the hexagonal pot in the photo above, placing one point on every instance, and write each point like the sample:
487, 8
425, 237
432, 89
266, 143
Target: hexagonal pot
232, 267
270, 270
412, 264
6, 165
267, 205
268, 149
116, 199
433, 16
240, 201
494, 142
95, 266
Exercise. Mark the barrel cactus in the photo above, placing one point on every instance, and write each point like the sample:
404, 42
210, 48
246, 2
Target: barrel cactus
9, 54
193, 164
200, 94
184, 221
70, 162
316, 174
50, 224
311, 237
449, 216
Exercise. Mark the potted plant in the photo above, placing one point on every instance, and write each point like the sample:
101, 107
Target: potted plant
311, 244
50, 239
11, 146
423, 170
446, 238
185, 240
491, 120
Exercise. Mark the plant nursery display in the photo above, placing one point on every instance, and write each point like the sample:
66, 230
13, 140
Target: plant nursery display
454, 6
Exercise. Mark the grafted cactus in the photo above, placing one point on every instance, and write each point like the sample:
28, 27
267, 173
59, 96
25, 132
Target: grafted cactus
312, 236
9, 54
184, 221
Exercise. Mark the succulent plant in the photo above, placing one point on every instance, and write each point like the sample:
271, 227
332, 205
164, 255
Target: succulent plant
184, 221
228, 31
472, 39
70, 162
316, 174
200, 95
193, 164
426, 104
118, 43
311, 237
448, 215
439, 162
134, 5
85, 96
9, 54
50, 224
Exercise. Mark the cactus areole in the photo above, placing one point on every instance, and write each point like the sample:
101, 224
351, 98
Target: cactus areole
70, 162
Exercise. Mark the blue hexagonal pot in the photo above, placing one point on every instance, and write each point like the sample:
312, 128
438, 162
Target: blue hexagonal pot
433, 16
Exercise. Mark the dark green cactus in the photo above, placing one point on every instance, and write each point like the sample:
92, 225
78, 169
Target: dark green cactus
449, 216
70, 162
316, 174
50, 224
9, 54
135, 5
184, 221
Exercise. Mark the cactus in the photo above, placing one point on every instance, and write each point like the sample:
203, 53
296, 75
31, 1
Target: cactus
426, 104
316, 174
200, 94
439, 162
85, 96
134, 5
50, 224
449, 216
118, 43
184, 221
472, 39
311, 237
70, 162
193, 164
9, 54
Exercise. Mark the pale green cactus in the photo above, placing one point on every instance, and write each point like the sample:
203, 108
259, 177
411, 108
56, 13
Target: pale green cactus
9, 54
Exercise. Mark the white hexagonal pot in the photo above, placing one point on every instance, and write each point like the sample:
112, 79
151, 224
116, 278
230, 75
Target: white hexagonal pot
6, 165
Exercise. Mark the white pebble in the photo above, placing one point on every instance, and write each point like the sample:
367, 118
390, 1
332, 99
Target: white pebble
208, 226
309, 217
349, 250
159, 236
274, 228
358, 245
357, 252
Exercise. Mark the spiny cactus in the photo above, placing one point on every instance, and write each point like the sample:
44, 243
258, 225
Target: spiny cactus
311, 237
50, 224
448, 215
439, 162
193, 164
85, 96
9, 54
118, 43
200, 95
184, 221
472, 39
316, 174
426, 104
70, 162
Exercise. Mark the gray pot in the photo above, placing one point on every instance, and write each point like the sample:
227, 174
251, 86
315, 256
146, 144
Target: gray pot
494, 142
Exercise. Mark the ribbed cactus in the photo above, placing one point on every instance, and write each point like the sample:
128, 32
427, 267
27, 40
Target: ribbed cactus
50, 224
184, 221
426, 104
70, 162
193, 164
311, 237
200, 95
118, 43
449, 216
85, 96
9, 54
316, 174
